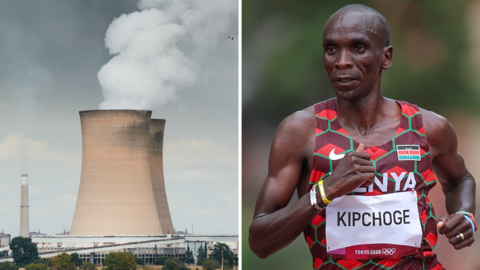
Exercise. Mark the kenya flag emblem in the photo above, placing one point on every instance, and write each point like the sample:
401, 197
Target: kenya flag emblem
408, 152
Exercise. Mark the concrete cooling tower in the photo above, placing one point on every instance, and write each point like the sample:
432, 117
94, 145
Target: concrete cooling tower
122, 190
157, 126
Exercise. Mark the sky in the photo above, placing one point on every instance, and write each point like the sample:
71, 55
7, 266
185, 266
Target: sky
173, 57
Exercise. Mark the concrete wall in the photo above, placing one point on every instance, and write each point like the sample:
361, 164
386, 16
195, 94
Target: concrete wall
115, 195
157, 127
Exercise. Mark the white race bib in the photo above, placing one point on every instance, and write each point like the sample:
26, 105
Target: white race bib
381, 226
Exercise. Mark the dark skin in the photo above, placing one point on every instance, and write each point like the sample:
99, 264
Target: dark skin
354, 57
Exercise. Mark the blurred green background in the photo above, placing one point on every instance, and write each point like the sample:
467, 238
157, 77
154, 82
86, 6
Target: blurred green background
435, 65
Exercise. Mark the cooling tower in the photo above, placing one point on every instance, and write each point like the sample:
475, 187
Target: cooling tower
115, 195
24, 228
157, 126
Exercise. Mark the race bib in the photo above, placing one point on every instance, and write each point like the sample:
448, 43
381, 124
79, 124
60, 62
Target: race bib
365, 227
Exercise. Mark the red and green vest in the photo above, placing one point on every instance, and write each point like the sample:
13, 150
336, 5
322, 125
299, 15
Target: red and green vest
330, 135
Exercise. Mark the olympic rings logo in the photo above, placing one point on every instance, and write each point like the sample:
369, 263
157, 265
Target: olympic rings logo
389, 251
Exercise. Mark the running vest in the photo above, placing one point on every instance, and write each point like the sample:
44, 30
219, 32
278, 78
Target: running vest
390, 160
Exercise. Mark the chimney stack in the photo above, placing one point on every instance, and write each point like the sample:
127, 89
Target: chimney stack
24, 227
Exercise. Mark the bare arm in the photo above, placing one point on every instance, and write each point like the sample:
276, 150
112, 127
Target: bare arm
457, 183
275, 224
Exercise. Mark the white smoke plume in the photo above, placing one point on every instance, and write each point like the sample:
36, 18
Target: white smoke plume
162, 49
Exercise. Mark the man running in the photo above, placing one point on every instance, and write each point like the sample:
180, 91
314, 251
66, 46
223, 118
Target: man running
379, 152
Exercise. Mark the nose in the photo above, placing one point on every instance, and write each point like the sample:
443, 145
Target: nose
343, 60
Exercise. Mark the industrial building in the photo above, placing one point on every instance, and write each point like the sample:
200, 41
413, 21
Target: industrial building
4, 239
117, 194
149, 247
122, 202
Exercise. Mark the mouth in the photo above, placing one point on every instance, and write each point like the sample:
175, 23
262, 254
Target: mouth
345, 81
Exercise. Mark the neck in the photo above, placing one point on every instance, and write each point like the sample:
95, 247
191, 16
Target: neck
363, 114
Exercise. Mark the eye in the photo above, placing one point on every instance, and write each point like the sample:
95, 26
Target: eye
331, 50
359, 48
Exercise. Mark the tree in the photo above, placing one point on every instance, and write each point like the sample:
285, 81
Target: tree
162, 259
36, 266
222, 250
23, 250
210, 265
189, 256
170, 265
61, 262
8, 266
40, 260
139, 261
120, 261
75, 259
88, 266
201, 256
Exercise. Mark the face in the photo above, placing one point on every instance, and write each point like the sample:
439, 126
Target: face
354, 54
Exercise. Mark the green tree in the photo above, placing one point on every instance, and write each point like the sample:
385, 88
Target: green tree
120, 261
210, 265
189, 257
222, 250
201, 257
36, 266
40, 260
61, 262
23, 250
139, 261
162, 259
8, 266
88, 266
171, 265
75, 259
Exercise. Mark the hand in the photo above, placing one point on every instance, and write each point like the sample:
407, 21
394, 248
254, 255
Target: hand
452, 225
353, 170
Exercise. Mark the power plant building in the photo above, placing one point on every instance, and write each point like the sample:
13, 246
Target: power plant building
122, 189
122, 202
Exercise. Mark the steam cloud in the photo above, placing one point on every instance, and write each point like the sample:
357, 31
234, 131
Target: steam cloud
162, 49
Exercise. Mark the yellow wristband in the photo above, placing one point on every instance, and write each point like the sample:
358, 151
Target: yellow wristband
322, 192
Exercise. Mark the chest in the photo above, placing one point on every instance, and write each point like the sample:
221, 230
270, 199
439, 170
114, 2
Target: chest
401, 163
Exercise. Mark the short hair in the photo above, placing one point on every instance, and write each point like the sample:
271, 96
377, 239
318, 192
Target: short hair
378, 16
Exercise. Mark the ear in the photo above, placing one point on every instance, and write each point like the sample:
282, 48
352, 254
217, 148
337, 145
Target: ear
387, 57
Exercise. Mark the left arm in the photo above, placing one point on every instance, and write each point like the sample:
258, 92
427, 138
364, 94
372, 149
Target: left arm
457, 183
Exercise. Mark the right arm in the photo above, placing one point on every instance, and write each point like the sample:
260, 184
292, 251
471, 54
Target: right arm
276, 225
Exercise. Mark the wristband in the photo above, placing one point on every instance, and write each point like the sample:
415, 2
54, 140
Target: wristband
471, 223
469, 216
322, 192
313, 198
472, 218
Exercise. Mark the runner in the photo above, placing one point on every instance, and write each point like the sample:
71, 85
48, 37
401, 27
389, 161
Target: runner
379, 152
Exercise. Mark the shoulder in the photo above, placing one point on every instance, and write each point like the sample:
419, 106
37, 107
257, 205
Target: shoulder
299, 122
295, 131
440, 134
